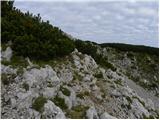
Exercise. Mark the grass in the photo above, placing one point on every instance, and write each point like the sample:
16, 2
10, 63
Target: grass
54, 62
16, 61
77, 112
59, 102
65, 91
39, 103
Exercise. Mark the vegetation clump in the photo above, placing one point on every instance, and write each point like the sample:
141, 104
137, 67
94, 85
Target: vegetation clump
91, 49
81, 95
39, 103
59, 102
119, 82
65, 91
25, 86
31, 36
77, 112
7, 78
99, 75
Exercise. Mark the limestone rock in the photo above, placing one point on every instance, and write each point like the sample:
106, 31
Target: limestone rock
91, 113
52, 111
7, 54
138, 109
105, 115
8, 69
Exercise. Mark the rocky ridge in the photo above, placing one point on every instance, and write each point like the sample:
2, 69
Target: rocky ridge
75, 88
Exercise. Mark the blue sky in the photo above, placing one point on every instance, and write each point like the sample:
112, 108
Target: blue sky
101, 21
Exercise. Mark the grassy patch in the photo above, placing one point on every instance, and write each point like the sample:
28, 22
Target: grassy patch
81, 95
59, 102
39, 103
53, 62
7, 79
77, 112
149, 117
20, 71
65, 91
16, 61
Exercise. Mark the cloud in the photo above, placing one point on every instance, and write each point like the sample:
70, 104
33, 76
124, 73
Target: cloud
125, 21
147, 11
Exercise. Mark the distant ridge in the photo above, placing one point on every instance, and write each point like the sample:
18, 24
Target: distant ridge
134, 48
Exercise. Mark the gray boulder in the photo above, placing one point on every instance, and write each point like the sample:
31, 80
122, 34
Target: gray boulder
105, 115
91, 113
52, 111
7, 54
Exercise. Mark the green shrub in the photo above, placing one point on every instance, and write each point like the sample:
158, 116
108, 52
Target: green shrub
59, 102
25, 86
109, 65
129, 99
7, 78
39, 103
130, 55
32, 37
80, 95
119, 82
99, 75
83, 94
65, 91
77, 112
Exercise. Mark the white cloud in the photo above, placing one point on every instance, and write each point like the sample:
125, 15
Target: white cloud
126, 22
147, 11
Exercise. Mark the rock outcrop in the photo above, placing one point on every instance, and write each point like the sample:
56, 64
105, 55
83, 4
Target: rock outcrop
76, 88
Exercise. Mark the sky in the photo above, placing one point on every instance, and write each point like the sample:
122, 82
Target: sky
101, 21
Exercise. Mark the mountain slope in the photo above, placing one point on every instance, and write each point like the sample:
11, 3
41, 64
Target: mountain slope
46, 73
75, 88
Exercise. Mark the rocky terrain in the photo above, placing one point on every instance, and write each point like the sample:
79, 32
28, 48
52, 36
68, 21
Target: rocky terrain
77, 87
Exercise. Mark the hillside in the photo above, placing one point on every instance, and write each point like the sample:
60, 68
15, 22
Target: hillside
45, 73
